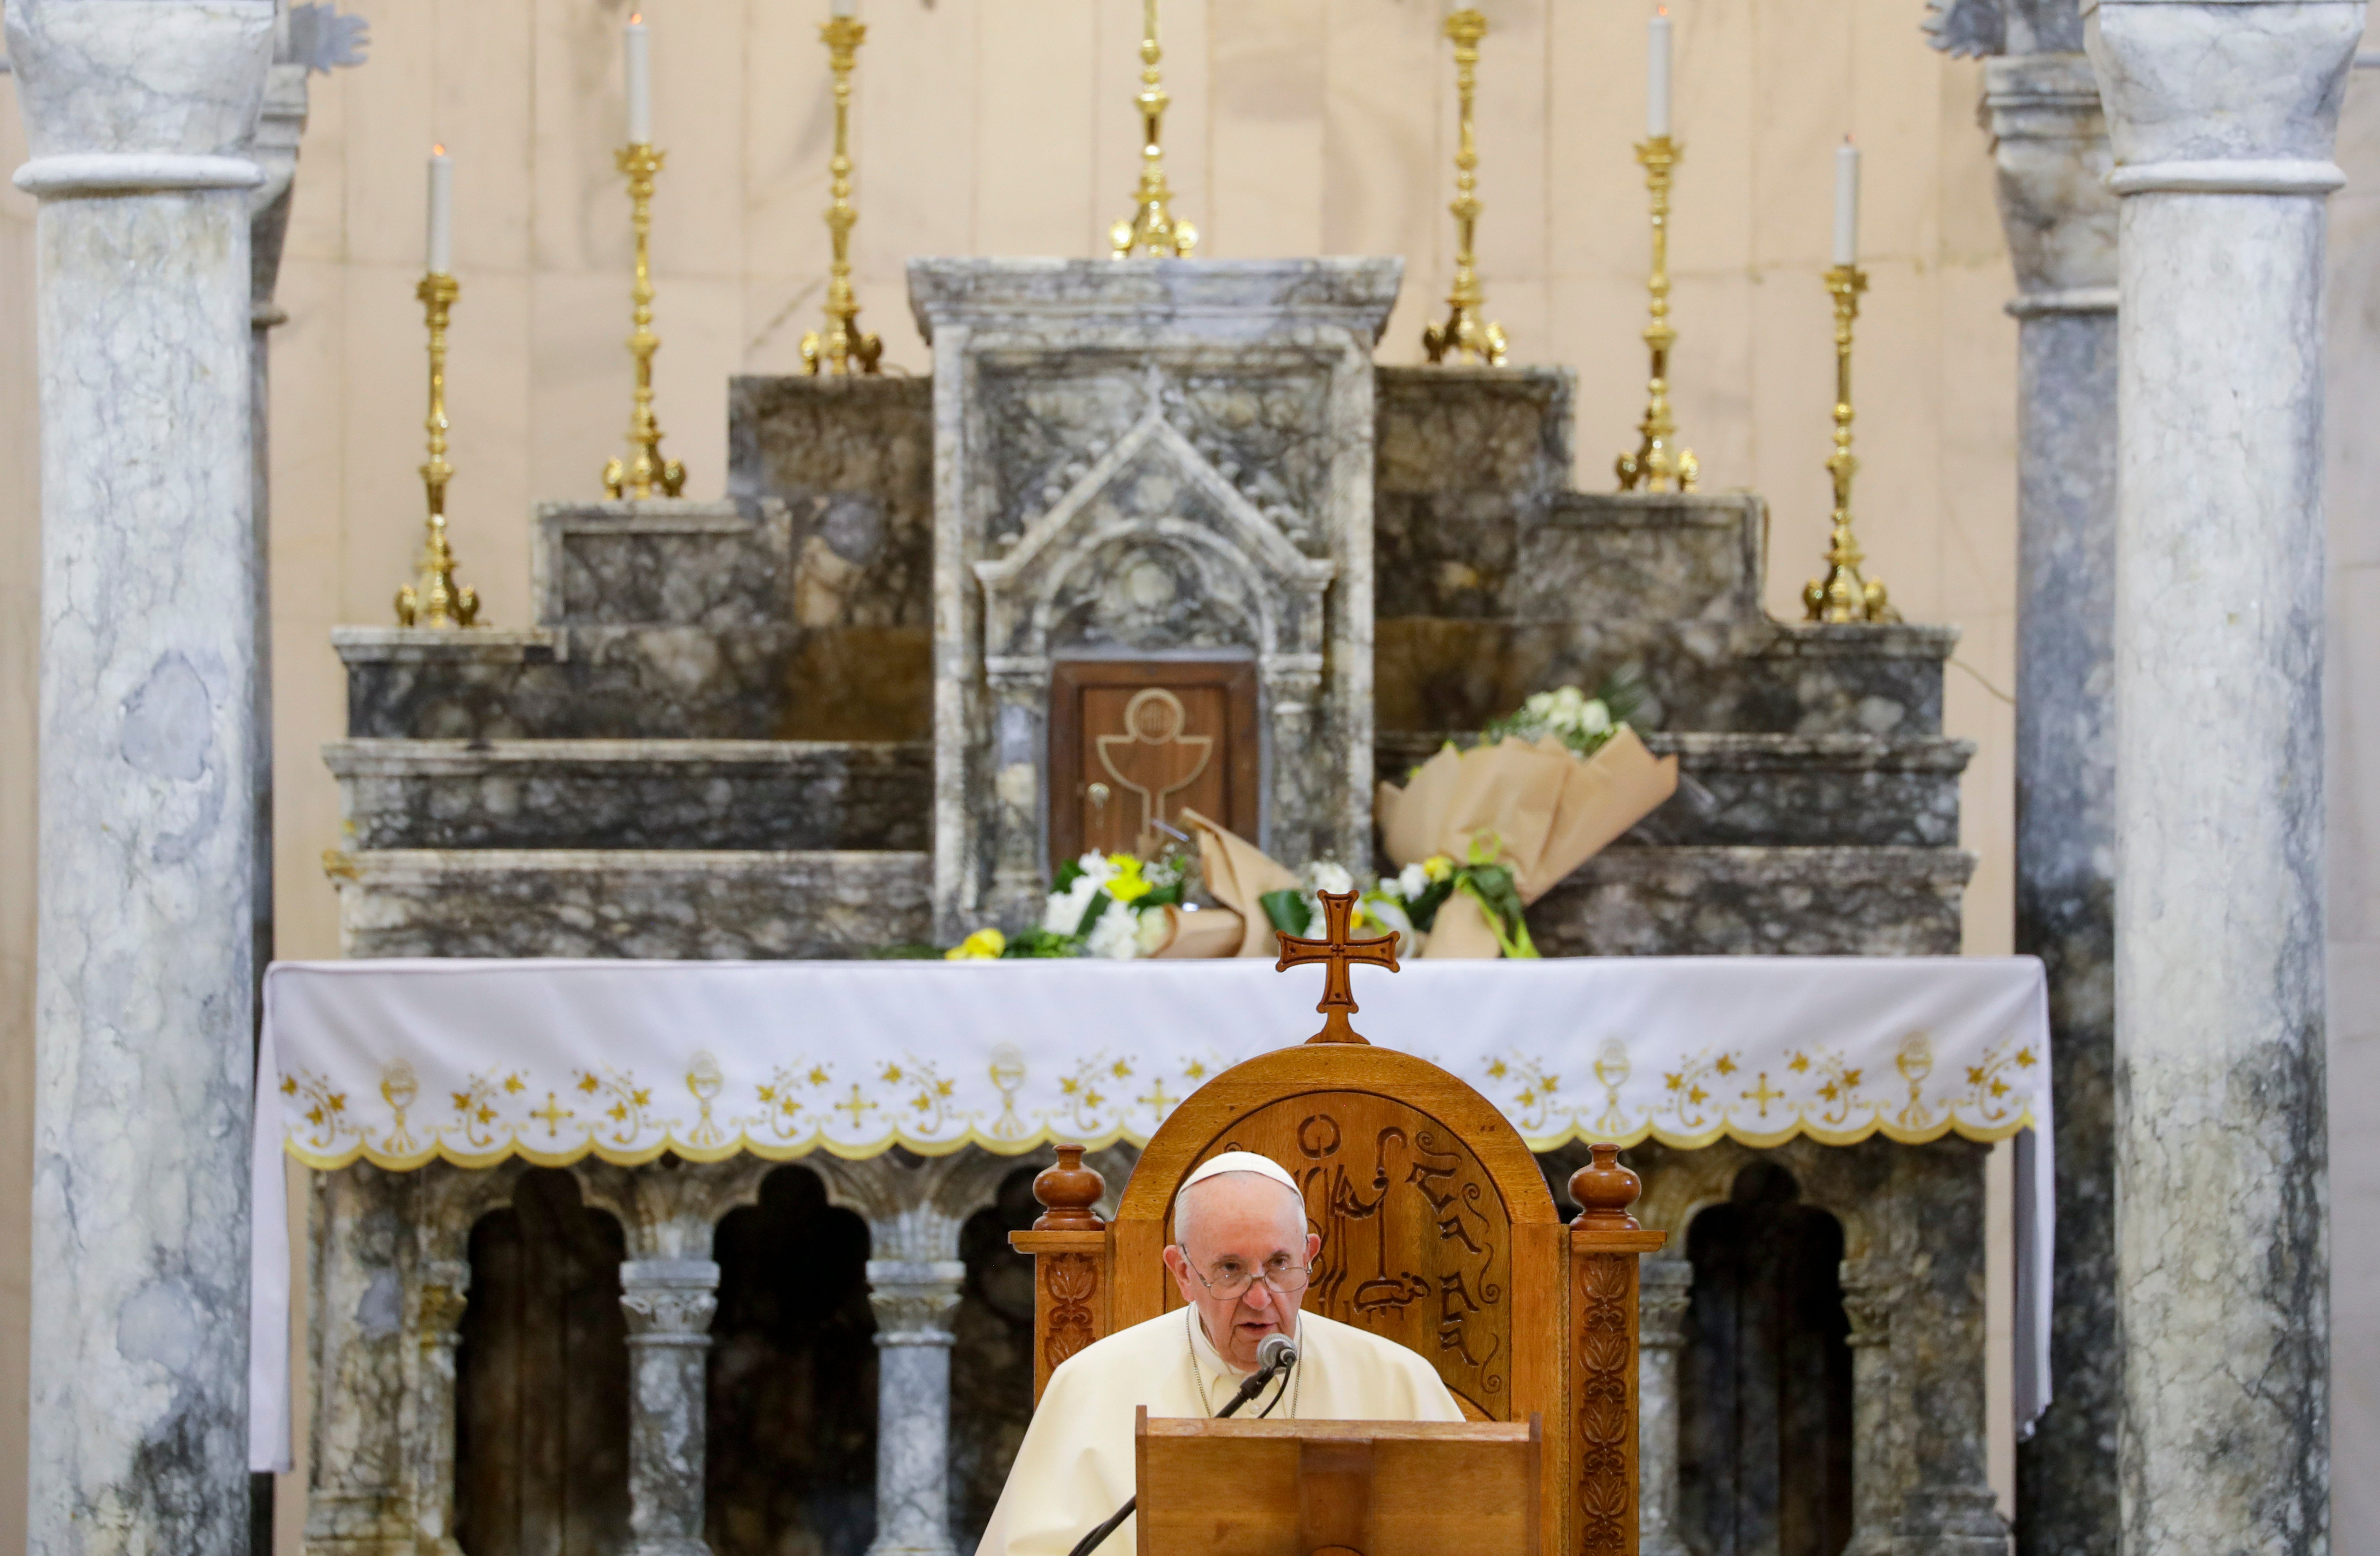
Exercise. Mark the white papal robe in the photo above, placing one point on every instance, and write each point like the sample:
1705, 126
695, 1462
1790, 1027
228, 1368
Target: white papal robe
1076, 1466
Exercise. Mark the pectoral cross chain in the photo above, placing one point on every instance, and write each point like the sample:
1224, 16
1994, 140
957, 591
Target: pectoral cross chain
1337, 953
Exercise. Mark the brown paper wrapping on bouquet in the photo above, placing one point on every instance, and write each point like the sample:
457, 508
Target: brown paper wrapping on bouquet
1548, 810
1238, 875
1213, 931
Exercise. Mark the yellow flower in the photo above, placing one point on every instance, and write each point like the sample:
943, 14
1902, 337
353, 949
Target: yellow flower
1438, 866
984, 945
1127, 885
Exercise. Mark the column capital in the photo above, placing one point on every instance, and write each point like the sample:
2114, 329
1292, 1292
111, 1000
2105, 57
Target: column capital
1665, 1289
2049, 145
139, 94
913, 1299
2223, 96
1871, 1288
669, 1301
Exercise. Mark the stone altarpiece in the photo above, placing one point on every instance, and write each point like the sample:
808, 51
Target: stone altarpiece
816, 717
1136, 462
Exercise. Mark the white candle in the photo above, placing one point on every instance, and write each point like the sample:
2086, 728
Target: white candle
1847, 203
843, 7
640, 82
1656, 75
442, 213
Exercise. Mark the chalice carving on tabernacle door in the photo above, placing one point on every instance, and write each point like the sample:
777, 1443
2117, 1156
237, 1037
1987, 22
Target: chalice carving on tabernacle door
1146, 760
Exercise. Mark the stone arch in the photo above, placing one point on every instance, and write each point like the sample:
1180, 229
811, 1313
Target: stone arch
1766, 1400
541, 1385
791, 1395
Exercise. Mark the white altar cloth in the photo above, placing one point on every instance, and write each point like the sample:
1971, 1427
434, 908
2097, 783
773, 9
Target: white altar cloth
400, 1062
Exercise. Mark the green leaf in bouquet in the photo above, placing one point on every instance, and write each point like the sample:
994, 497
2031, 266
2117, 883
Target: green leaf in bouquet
1625, 693
1423, 910
1098, 905
1042, 942
1497, 892
1068, 873
1287, 910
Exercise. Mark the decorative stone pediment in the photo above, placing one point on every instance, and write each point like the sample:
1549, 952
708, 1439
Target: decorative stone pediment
1135, 461
1153, 549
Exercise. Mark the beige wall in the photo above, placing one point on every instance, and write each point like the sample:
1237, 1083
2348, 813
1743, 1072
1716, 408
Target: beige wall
1004, 126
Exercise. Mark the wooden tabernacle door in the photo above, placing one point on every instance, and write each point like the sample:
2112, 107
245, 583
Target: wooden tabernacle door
1138, 741
1437, 1231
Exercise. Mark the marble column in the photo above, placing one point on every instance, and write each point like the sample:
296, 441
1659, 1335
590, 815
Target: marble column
1664, 1291
1941, 1426
1868, 1292
2050, 144
913, 1299
669, 1303
136, 114
446, 1292
356, 1449
2222, 117
1020, 691
915, 1208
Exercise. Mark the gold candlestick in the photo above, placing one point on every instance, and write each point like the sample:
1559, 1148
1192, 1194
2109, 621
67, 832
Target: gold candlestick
1463, 333
1151, 232
1843, 595
435, 599
843, 347
638, 478
1658, 460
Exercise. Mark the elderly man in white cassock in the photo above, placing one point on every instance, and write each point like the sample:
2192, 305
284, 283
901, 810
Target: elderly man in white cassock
1239, 1258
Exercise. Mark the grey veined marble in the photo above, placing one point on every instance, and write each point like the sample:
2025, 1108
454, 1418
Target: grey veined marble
2222, 118
1144, 458
137, 116
2050, 141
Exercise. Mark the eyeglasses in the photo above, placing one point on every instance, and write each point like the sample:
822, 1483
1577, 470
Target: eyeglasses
1230, 1280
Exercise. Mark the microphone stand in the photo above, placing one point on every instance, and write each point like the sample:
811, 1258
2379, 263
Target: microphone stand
1256, 1384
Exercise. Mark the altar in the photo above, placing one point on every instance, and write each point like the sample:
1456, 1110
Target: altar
1157, 546
421, 1090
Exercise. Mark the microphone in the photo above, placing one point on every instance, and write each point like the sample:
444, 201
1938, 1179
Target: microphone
1275, 1355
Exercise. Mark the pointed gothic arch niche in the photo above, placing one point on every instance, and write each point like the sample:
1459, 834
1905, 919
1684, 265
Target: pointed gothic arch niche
792, 1412
992, 1358
542, 1378
1765, 1382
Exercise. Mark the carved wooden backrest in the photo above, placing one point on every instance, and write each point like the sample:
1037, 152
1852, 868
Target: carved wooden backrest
1436, 1228
1437, 1231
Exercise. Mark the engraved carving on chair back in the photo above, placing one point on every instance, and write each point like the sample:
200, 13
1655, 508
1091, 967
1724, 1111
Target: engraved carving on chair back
1416, 1238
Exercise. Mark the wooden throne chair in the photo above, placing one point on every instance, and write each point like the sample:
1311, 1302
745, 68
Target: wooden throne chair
1437, 1231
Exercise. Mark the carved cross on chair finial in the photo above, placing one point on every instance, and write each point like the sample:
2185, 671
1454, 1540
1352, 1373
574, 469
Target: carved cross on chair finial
1337, 954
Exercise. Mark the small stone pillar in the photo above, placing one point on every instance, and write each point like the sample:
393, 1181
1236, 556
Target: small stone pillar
2050, 143
446, 1292
1664, 1293
1868, 1292
137, 116
669, 1303
913, 1299
2223, 118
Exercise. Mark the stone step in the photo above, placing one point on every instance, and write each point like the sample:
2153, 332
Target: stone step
1782, 790
1756, 676
630, 682
775, 905
1766, 902
738, 795
629, 903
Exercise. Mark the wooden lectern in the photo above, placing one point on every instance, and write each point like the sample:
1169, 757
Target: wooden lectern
1375, 1488
1437, 1231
